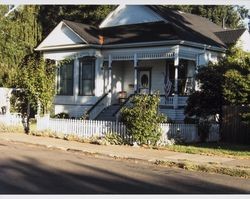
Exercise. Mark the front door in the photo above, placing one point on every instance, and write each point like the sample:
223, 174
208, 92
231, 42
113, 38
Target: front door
144, 81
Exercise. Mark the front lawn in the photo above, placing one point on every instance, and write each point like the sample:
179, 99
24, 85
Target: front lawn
221, 149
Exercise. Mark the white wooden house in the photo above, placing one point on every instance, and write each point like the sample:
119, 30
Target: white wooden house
136, 49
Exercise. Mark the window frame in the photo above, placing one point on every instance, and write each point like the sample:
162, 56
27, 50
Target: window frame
59, 79
81, 80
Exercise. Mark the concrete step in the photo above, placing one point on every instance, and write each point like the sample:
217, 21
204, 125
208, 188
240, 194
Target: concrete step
108, 113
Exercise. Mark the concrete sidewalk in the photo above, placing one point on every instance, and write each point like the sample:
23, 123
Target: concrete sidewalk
129, 152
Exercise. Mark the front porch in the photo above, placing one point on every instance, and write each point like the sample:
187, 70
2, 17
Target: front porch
171, 74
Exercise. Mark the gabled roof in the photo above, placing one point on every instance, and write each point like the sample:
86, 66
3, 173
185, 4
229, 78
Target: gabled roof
175, 25
230, 36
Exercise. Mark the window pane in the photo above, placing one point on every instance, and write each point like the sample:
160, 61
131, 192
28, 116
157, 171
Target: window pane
86, 76
87, 87
65, 79
88, 71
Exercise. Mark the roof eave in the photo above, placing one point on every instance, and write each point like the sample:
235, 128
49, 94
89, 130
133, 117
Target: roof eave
133, 45
68, 47
162, 43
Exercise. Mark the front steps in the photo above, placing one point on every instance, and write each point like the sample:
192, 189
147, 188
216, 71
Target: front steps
176, 115
108, 113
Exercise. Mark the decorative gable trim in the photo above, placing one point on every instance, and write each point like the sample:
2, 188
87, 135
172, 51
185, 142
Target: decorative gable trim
61, 35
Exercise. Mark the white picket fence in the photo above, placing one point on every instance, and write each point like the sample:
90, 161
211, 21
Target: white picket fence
11, 119
89, 128
188, 132
81, 128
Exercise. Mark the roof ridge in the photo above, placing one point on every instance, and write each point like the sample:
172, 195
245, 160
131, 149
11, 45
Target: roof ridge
65, 20
136, 24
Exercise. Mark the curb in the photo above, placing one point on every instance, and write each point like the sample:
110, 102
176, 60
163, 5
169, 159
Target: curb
245, 173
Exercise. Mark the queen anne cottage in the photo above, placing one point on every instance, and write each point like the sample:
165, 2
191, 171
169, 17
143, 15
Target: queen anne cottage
136, 49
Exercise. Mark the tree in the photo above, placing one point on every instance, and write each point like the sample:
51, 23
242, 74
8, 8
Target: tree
37, 78
224, 83
20, 33
230, 15
236, 87
51, 15
142, 119
24, 28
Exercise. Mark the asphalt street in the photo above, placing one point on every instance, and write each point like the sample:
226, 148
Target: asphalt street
34, 169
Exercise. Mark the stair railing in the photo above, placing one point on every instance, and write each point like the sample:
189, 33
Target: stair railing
125, 103
98, 107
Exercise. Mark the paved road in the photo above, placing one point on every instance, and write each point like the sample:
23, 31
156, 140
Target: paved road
33, 169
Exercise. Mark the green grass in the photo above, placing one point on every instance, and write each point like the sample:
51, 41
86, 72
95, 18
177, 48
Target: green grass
221, 149
11, 129
206, 168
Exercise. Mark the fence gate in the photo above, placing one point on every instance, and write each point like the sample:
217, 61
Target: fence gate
233, 128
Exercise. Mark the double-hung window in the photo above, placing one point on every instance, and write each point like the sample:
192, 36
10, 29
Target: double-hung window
65, 79
86, 76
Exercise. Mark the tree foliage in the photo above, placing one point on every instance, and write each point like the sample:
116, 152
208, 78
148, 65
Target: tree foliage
51, 15
224, 83
230, 14
37, 78
142, 119
20, 32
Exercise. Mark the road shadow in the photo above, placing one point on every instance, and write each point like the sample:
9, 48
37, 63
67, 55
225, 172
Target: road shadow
30, 176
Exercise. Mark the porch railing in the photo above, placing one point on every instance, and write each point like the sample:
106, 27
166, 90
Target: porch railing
182, 101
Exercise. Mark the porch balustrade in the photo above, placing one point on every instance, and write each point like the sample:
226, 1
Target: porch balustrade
182, 101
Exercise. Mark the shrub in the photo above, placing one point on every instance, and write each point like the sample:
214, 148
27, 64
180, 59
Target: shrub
190, 120
245, 117
113, 139
62, 115
142, 119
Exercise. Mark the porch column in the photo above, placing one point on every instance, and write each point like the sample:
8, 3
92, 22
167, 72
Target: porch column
109, 78
176, 65
135, 72
76, 79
